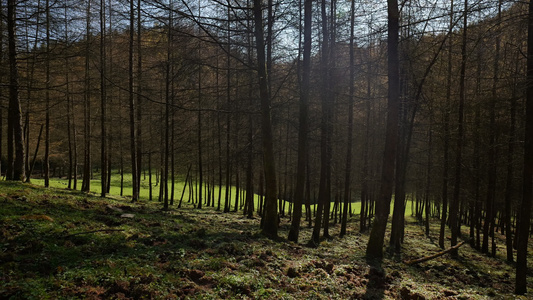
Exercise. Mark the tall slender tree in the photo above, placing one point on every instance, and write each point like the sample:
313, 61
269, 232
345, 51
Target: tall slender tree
47, 99
509, 186
131, 92
455, 203
488, 225
1, 83
103, 106
527, 185
199, 132
348, 171
15, 136
71, 127
270, 218
228, 116
303, 124
163, 194
86, 185
138, 128
324, 189
446, 125
249, 206
377, 235
365, 197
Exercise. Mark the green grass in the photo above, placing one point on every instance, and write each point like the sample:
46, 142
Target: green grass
178, 190
145, 188
61, 244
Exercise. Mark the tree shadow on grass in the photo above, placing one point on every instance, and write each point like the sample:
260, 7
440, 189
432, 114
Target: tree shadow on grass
377, 283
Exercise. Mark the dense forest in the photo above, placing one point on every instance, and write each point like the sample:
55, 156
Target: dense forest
311, 112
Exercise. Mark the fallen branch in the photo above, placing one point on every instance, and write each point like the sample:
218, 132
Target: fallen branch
92, 231
423, 259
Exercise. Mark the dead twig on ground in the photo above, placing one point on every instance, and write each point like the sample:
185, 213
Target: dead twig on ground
423, 259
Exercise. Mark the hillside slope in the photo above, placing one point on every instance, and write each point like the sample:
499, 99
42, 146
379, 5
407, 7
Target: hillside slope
60, 244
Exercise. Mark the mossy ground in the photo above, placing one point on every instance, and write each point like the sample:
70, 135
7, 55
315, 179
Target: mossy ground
58, 244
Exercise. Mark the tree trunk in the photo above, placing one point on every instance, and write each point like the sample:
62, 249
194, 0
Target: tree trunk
509, 182
172, 151
199, 132
270, 219
71, 132
32, 164
249, 207
377, 235
446, 121
219, 137
325, 158
527, 188
133, 140
15, 132
428, 179
103, 137
138, 126
364, 212
329, 97
348, 170
47, 100
249, 211
455, 219
86, 185
199, 137
168, 98
1, 91
30, 64
228, 117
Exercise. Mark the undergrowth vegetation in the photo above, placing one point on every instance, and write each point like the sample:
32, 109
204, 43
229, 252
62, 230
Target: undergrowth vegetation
59, 244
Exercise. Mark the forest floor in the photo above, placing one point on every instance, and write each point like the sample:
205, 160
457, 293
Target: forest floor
58, 244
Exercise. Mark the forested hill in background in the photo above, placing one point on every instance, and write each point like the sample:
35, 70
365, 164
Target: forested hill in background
287, 110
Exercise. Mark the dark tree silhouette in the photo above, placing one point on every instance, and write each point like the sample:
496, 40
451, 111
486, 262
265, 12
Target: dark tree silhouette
15, 136
270, 218
527, 188
377, 235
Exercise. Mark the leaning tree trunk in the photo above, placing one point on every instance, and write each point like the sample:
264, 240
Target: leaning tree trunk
377, 235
